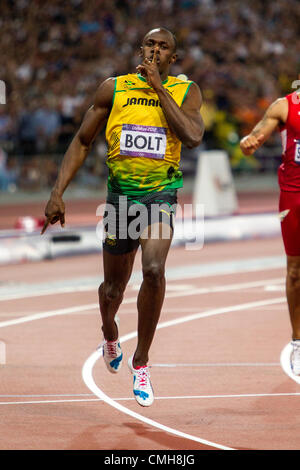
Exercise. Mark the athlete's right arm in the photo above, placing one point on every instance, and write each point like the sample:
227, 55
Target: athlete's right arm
92, 124
276, 114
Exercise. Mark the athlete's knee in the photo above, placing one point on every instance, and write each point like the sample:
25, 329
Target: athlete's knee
112, 290
293, 276
154, 272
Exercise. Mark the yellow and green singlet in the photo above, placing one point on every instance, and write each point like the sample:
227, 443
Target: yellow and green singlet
143, 153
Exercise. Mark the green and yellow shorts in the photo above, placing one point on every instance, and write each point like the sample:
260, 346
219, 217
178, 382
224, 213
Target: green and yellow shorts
127, 217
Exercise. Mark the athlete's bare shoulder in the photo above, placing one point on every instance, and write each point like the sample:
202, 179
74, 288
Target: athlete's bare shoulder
105, 92
193, 98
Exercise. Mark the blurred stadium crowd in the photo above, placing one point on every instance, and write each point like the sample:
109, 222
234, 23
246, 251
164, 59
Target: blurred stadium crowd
243, 55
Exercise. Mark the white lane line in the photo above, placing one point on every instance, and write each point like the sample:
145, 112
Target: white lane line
49, 313
172, 274
132, 310
170, 287
89, 364
82, 308
88, 379
44, 291
271, 288
183, 397
221, 364
218, 311
49, 395
87, 370
286, 362
40, 402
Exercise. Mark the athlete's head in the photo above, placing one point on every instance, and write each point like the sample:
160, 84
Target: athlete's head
165, 42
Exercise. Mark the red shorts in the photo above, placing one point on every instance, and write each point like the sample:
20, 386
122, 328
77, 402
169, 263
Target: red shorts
289, 208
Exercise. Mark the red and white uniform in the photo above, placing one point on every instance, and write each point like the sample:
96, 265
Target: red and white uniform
289, 177
289, 170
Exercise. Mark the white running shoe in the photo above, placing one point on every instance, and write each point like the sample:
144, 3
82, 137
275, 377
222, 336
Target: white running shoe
112, 352
142, 388
295, 357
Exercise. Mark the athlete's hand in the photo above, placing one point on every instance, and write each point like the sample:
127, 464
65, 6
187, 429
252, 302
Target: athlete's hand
149, 70
250, 143
54, 212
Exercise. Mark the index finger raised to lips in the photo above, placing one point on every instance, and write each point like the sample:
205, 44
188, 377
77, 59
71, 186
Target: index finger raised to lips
154, 56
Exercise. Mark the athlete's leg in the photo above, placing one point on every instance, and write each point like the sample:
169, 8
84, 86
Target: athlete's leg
117, 272
151, 295
293, 293
289, 207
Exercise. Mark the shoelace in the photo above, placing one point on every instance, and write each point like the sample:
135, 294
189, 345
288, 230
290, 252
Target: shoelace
111, 347
142, 376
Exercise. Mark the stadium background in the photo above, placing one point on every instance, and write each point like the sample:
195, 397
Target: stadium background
243, 55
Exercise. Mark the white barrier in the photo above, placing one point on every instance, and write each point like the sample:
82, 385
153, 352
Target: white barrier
214, 184
16, 247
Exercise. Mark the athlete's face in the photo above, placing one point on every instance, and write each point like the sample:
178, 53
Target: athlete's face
164, 44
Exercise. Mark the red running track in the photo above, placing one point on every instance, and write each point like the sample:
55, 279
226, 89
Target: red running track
217, 376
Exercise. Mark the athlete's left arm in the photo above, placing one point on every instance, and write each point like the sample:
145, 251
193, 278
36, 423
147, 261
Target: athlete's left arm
185, 121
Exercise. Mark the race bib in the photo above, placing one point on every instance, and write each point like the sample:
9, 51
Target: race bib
297, 152
143, 141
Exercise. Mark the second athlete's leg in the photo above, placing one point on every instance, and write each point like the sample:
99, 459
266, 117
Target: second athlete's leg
289, 207
293, 293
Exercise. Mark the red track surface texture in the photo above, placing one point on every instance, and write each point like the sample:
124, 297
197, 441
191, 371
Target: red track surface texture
217, 377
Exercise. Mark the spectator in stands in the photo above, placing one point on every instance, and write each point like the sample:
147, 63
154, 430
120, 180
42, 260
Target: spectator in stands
6, 125
8, 172
63, 50
46, 126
